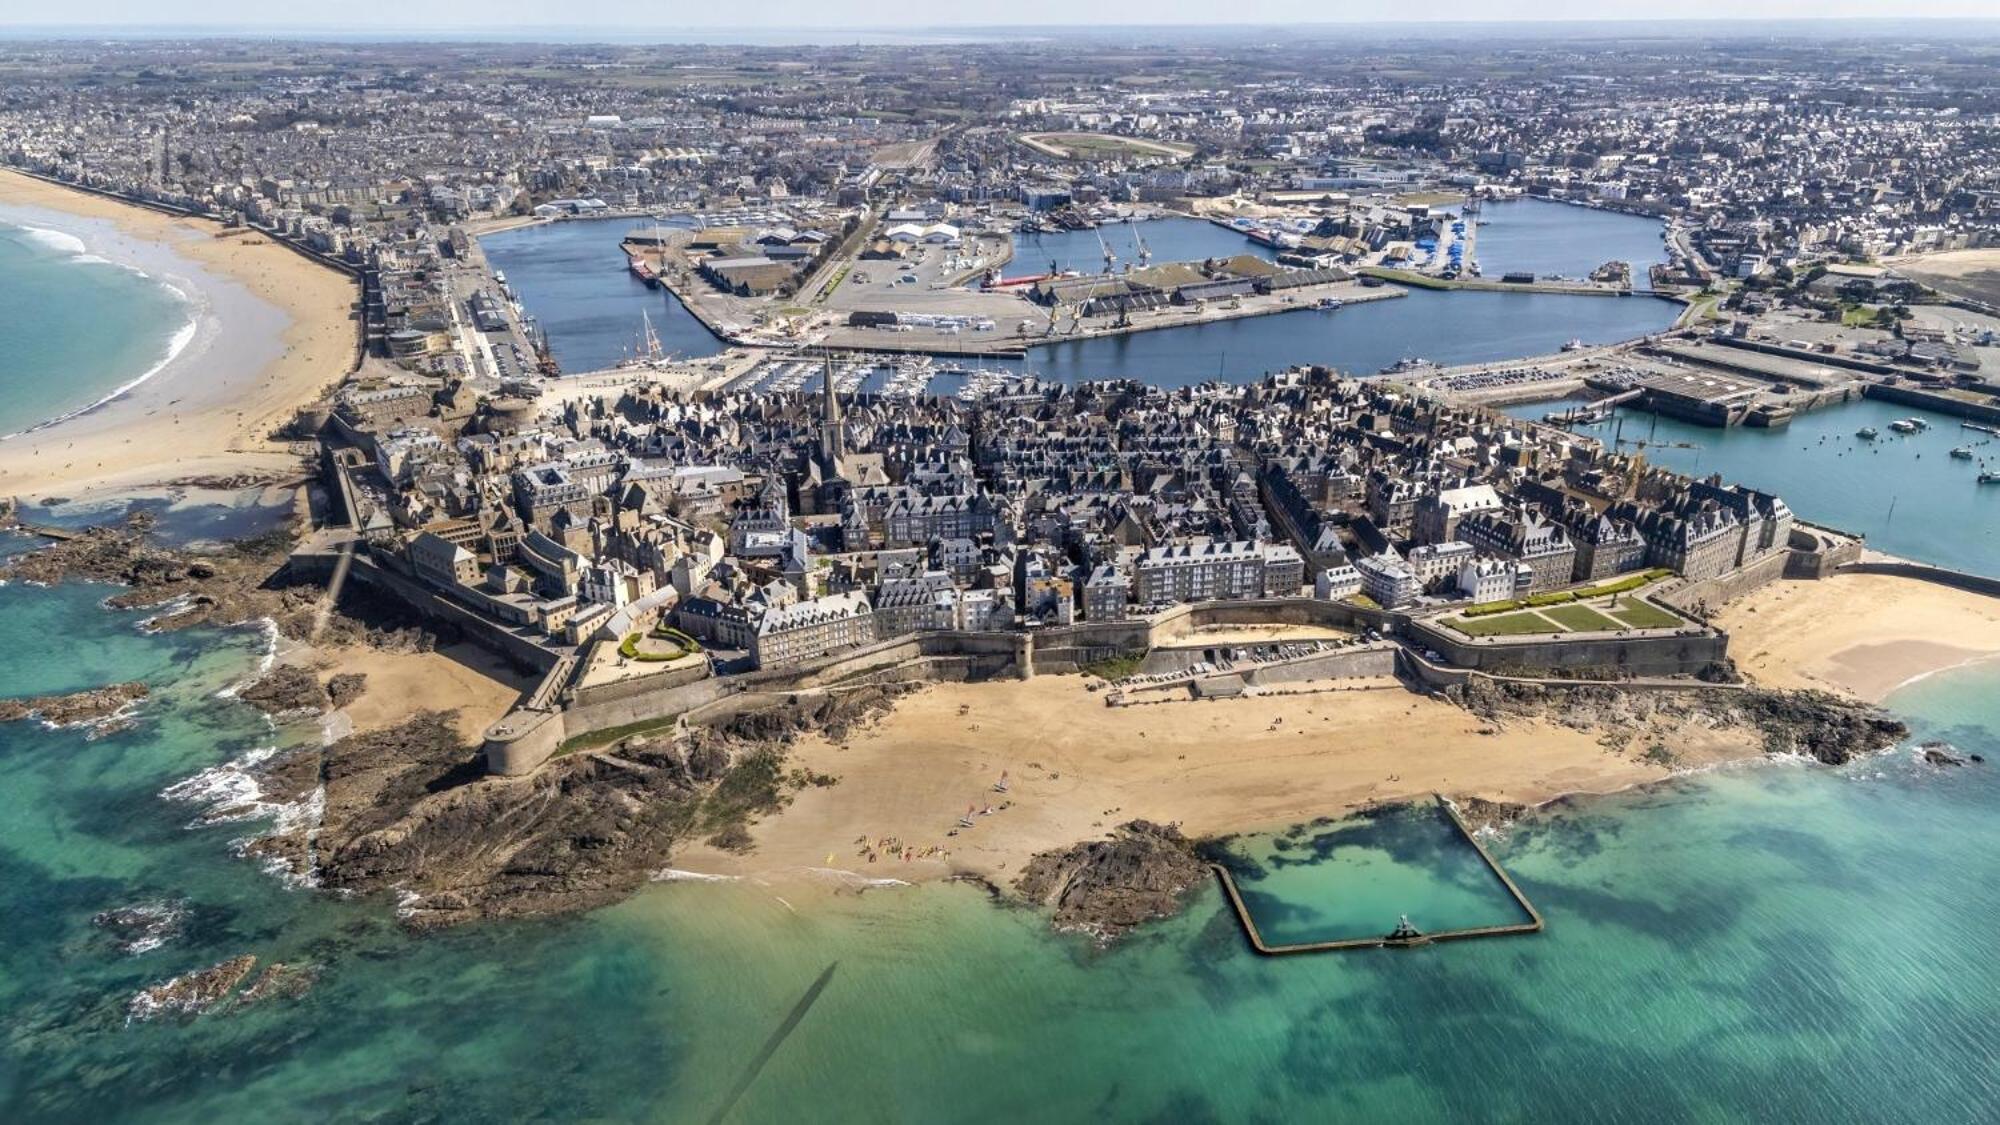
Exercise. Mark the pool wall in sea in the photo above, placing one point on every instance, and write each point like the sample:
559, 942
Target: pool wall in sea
1404, 934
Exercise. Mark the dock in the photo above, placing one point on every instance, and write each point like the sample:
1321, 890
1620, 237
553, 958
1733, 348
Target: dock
1396, 940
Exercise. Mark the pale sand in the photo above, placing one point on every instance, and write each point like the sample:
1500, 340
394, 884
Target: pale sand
462, 677
209, 412
1865, 634
1078, 768
1951, 263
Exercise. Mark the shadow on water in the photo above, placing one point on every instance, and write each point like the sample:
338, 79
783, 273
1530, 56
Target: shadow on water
771, 1045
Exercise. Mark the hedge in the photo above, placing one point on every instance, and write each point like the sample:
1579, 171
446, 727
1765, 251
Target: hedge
1563, 597
668, 633
629, 649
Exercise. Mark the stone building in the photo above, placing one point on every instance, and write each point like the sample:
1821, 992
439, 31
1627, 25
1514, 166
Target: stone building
1524, 537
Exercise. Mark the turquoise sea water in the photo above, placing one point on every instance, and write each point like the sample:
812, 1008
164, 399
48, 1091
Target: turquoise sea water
1773, 943
1777, 943
1338, 880
76, 327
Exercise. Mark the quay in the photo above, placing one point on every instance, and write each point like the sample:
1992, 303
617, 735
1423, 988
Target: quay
1496, 285
1397, 939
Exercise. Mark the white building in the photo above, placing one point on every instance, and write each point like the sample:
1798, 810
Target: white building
1337, 582
1388, 580
1435, 562
1487, 580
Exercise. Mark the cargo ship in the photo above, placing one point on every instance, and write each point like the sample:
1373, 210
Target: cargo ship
644, 271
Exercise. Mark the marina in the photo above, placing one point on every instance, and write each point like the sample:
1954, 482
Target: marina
572, 278
1906, 492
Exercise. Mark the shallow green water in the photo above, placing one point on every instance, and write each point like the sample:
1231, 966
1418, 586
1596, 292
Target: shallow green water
1354, 878
1779, 943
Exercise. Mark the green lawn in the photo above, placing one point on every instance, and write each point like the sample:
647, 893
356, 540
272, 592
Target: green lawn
1644, 615
1506, 625
1582, 618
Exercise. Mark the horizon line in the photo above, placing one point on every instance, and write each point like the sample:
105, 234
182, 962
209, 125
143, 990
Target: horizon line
908, 28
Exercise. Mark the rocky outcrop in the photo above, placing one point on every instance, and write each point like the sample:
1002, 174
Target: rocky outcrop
1819, 724
94, 705
279, 980
835, 713
1940, 754
241, 583
1106, 887
214, 989
1480, 814
1830, 728
142, 927
190, 994
410, 810
287, 689
346, 687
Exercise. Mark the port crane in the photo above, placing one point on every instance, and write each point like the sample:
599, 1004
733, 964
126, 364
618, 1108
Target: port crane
1110, 259
1145, 251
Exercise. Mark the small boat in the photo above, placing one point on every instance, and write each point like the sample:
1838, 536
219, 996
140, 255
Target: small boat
1407, 363
1903, 426
1328, 303
1866, 433
1574, 345
1989, 477
1963, 453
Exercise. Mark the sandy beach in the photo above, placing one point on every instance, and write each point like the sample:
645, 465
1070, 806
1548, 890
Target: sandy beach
1077, 768
1865, 634
274, 331
461, 677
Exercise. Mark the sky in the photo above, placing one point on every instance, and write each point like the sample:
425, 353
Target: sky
361, 16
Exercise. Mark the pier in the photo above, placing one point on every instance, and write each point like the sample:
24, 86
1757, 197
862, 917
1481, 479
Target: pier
1398, 939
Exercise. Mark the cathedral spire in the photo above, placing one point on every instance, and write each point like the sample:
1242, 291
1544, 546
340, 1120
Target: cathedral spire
832, 435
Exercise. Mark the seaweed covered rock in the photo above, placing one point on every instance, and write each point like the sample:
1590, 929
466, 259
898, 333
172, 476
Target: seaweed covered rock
286, 689
1106, 887
191, 994
1819, 724
88, 706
